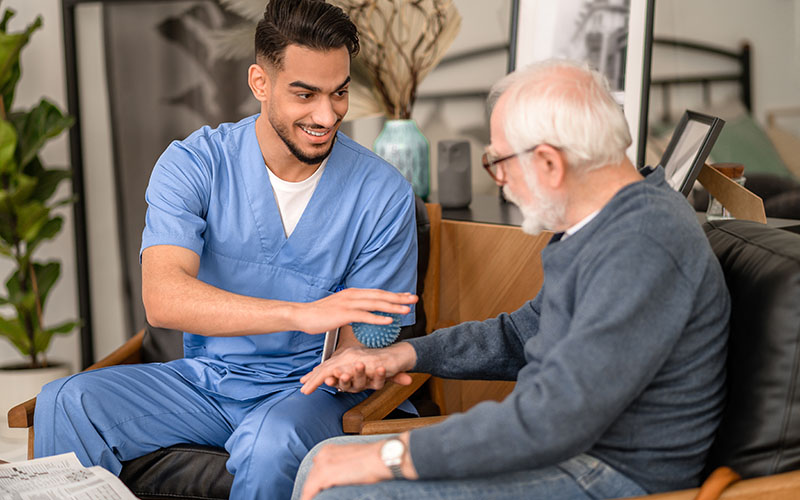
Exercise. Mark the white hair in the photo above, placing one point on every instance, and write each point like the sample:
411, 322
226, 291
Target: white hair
565, 105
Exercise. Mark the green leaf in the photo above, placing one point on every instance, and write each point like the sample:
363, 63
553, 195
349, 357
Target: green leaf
6, 228
42, 337
48, 231
46, 277
13, 331
30, 219
14, 290
41, 340
48, 183
69, 200
8, 14
65, 327
8, 89
10, 47
23, 190
40, 124
8, 144
34, 168
23, 296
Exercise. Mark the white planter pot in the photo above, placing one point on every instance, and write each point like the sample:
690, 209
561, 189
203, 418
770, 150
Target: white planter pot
19, 385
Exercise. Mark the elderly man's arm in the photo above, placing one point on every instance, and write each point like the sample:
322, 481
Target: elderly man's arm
629, 315
491, 349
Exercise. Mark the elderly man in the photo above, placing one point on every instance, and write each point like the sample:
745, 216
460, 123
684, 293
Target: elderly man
619, 360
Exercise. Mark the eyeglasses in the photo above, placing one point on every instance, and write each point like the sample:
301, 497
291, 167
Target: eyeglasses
491, 163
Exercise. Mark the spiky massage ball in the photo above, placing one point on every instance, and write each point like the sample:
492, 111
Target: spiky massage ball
374, 336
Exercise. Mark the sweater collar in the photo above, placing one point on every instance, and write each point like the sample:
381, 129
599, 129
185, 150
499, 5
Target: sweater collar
567, 247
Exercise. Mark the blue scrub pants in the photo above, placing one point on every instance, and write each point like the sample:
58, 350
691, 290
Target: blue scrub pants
116, 414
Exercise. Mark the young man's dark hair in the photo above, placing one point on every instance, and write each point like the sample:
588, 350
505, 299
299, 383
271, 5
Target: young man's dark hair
310, 23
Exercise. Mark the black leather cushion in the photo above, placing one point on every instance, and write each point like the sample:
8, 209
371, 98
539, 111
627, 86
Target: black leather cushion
760, 431
198, 472
180, 471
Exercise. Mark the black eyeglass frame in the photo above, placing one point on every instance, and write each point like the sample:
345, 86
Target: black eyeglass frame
488, 164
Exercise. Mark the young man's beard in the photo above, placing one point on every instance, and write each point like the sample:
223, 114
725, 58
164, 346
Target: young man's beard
283, 133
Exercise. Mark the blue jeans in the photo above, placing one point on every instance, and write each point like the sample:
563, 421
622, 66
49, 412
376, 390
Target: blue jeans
580, 478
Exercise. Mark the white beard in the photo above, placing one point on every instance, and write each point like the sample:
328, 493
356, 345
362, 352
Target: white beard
542, 214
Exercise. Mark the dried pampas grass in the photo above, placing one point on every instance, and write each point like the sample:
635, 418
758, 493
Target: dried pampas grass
401, 42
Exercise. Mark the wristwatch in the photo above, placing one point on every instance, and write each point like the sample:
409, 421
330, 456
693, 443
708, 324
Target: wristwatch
392, 455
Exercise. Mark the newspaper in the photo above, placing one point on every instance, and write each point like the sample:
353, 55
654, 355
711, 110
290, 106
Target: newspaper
61, 477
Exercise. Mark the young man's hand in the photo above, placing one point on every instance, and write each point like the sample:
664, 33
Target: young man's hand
358, 368
349, 306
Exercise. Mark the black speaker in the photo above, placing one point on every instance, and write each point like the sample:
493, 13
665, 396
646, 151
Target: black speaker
454, 174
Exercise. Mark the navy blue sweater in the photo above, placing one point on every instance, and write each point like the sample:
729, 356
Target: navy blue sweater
621, 355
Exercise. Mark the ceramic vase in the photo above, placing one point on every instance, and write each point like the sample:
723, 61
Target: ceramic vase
402, 144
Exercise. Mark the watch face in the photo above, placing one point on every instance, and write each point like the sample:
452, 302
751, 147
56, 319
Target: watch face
392, 449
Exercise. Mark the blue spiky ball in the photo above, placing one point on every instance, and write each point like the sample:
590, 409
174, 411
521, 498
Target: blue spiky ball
374, 336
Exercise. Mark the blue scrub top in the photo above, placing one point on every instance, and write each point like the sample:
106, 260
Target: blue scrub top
211, 193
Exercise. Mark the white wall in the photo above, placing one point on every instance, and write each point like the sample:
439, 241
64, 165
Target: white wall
771, 26
43, 76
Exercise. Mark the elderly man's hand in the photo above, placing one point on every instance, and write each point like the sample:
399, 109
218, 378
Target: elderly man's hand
346, 464
358, 368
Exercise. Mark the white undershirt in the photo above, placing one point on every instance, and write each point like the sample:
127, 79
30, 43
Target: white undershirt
293, 197
577, 227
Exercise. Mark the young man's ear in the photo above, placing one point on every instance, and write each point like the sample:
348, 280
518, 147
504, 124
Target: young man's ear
552, 167
258, 79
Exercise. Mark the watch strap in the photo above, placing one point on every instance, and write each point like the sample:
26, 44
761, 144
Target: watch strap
397, 471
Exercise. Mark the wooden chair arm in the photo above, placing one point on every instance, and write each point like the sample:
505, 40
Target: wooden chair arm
785, 486
716, 483
380, 403
21, 416
398, 425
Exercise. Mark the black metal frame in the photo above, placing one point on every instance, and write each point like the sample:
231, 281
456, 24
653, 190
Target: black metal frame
644, 101
715, 127
742, 77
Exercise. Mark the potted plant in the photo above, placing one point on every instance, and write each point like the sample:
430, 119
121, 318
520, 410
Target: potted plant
27, 218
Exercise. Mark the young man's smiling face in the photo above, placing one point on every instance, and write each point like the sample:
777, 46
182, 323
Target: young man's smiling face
305, 101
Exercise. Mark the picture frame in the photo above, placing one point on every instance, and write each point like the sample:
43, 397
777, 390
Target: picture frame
688, 149
615, 37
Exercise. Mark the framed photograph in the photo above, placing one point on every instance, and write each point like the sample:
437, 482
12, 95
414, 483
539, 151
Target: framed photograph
688, 149
613, 36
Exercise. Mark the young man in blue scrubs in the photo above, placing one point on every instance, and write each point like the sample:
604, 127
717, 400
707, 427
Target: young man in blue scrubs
251, 227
